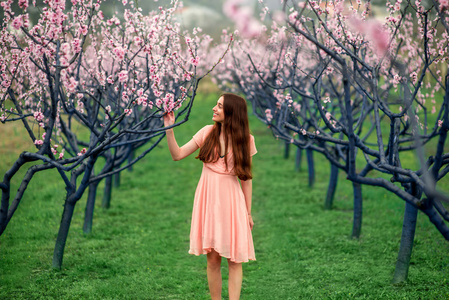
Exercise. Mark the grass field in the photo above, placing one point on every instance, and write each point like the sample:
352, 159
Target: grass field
138, 248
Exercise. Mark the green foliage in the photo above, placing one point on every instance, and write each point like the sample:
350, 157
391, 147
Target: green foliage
138, 248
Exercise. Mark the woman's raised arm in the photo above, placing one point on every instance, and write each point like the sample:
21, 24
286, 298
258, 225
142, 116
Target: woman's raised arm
177, 153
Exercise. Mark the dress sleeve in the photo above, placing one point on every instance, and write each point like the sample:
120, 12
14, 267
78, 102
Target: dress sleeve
201, 135
252, 146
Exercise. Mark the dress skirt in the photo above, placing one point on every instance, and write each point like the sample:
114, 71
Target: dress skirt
220, 218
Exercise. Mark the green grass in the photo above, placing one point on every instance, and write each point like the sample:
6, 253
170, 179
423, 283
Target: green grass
138, 248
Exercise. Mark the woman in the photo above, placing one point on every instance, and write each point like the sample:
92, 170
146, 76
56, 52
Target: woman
221, 218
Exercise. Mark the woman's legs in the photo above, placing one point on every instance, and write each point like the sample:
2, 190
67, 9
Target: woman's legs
235, 280
214, 274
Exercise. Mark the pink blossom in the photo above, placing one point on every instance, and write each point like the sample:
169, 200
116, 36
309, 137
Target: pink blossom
76, 43
186, 76
23, 4
38, 116
138, 40
243, 17
380, 37
84, 29
6, 83
297, 106
123, 76
444, 4
17, 22
72, 85
440, 123
414, 77
303, 131
374, 31
38, 142
110, 79
195, 61
61, 155
101, 78
141, 100
396, 79
82, 152
119, 53
292, 17
231, 7
268, 115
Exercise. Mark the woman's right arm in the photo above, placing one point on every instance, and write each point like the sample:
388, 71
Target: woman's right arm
177, 153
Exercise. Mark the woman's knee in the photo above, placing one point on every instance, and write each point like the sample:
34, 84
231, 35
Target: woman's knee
234, 265
213, 258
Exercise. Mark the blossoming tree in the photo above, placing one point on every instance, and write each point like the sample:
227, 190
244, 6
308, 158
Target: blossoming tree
362, 92
85, 86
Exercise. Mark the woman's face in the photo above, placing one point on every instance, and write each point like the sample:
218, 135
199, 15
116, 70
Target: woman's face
218, 111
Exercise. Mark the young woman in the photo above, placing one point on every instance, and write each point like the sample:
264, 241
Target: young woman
221, 218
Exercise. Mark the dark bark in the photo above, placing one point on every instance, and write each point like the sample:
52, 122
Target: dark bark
117, 180
333, 180
406, 247
106, 203
311, 167
64, 227
90, 206
298, 159
130, 158
357, 222
287, 150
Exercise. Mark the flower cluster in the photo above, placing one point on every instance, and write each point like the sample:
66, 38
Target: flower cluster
114, 68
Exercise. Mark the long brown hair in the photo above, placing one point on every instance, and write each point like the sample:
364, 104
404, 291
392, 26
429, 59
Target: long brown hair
236, 129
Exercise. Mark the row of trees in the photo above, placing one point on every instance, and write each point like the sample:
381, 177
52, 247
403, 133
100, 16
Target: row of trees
327, 77
90, 91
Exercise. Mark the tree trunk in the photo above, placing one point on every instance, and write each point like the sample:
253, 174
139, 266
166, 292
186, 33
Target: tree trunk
117, 180
298, 159
406, 247
357, 222
333, 180
131, 158
106, 203
311, 167
63, 233
90, 206
287, 150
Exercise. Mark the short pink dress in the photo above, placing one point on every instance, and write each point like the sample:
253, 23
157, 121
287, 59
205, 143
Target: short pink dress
220, 218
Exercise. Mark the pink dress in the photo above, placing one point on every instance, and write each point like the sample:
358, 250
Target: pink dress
219, 217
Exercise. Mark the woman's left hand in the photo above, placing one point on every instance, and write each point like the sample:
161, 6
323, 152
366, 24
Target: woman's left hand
251, 222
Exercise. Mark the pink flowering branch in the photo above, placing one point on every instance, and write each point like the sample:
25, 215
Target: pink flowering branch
369, 73
112, 78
